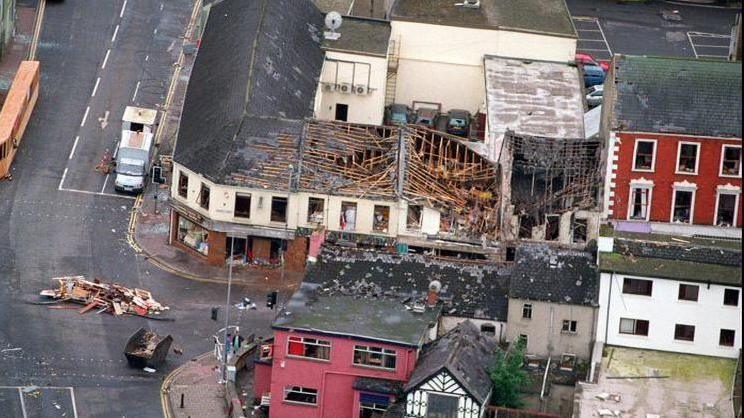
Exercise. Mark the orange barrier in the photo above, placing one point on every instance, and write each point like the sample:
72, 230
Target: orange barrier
16, 112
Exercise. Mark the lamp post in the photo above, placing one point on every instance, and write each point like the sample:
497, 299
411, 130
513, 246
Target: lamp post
286, 222
227, 311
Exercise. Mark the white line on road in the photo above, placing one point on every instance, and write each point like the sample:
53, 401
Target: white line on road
155, 32
116, 31
136, 89
593, 50
123, 7
104, 183
604, 37
714, 46
95, 88
74, 145
85, 116
592, 40
116, 150
105, 59
588, 30
694, 51
147, 58
23, 404
97, 193
72, 390
62, 180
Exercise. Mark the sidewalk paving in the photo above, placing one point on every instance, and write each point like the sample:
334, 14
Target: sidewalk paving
203, 396
17, 49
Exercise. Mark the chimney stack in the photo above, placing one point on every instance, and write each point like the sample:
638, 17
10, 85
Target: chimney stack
432, 299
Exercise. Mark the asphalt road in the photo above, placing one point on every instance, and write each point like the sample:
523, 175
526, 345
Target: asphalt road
47, 232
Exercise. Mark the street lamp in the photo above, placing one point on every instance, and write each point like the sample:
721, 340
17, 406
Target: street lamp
227, 310
285, 242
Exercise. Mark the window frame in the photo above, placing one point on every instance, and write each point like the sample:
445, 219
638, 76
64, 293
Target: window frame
286, 209
183, 187
697, 158
628, 279
635, 327
343, 222
375, 227
678, 327
684, 286
303, 341
631, 201
412, 227
565, 356
300, 389
384, 353
733, 338
201, 199
570, 326
738, 293
314, 200
736, 195
723, 156
250, 205
525, 307
653, 156
692, 204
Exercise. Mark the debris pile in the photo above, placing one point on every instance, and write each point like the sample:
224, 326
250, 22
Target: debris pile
112, 298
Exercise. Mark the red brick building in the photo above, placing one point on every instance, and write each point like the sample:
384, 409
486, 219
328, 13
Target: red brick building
673, 129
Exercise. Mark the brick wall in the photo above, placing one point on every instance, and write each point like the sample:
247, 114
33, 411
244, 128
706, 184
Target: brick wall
261, 248
296, 256
217, 248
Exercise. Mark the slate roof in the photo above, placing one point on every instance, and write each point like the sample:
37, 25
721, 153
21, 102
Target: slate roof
468, 290
677, 95
465, 353
542, 273
380, 319
540, 16
256, 70
361, 35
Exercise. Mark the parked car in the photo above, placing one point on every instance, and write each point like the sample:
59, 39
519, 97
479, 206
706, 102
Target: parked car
397, 114
458, 122
584, 59
594, 95
426, 117
593, 75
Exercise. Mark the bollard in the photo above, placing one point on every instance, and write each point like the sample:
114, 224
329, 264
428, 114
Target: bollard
215, 309
182, 401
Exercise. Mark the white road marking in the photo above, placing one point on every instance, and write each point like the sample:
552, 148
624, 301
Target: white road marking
23, 404
74, 145
702, 36
97, 193
593, 50
136, 89
588, 30
116, 31
123, 7
714, 46
85, 116
104, 183
72, 390
161, 6
155, 32
116, 150
607, 44
105, 59
592, 40
147, 58
62, 180
95, 88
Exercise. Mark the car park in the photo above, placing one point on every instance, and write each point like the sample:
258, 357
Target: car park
593, 75
584, 59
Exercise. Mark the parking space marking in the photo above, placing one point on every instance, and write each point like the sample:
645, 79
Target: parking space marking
23, 404
105, 59
95, 88
74, 145
709, 45
85, 116
58, 403
588, 28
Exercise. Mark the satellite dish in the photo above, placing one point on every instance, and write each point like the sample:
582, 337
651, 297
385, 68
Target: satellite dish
333, 21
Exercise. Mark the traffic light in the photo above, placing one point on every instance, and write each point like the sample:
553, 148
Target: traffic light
271, 299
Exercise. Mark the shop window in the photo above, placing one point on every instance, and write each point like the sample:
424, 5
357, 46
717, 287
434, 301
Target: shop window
568, 361
645, 154
527, 311
278, 209
374, 356
488, 329
683, 200
315, 211
569, 326
414, 217
204, 196
372, 406
637, 287
634, 326
301, 394
726, 210
443, 406
731, 161
348, 216
687, 161
640, 203
382, 219
183, 185
309, 348
684, 332
242, 205
688, 292
192, 235
727, 337
580, 230
731, 297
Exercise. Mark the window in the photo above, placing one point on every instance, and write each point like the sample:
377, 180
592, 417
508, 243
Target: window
688, 292
726, 209
569, 326
374, 356
727, 337
267, 352
684, 332
413, 220
687, 158
315, 210
372, 406
381, 221
637, 287
645, 154
634, 326
300, 394
183, 185
242, 205
348, 216
568, 361
310, 348
640, 203
731, 161
580, 229
523, 339
278, 209
682, 211
731, 297
488, 329
442, 406
527, 311
204, 196
342, 112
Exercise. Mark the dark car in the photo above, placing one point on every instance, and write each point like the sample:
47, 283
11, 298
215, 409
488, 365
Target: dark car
397, 114
426, 117
458, 122
593, 75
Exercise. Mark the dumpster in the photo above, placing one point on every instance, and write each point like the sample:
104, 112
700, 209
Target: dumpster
147, 349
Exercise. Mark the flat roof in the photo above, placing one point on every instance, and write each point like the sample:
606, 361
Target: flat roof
538, 16
528, 97
140, 115
361, 35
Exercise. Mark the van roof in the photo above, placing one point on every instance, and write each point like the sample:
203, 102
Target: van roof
140, 115
138, 140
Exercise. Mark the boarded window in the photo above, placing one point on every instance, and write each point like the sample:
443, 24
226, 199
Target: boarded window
580, 230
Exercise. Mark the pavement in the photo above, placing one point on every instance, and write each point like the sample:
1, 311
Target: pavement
197, 383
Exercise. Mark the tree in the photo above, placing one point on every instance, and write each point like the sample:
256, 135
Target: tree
508, 377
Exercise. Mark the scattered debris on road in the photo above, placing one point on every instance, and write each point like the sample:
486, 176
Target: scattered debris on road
111, 298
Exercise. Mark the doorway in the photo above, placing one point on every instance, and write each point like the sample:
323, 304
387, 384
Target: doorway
342, 112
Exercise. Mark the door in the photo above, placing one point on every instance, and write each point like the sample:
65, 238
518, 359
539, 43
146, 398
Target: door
342, 112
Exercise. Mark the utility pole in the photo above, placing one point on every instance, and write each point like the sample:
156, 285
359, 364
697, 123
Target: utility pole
286, 223
227, 310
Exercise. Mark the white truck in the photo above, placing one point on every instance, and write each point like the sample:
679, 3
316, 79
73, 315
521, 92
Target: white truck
135, 149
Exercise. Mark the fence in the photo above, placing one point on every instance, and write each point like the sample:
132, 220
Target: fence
16, 112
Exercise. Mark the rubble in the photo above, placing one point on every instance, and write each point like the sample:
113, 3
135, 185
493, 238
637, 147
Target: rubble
112, 298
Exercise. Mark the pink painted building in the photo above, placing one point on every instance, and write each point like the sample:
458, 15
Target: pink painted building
340, 356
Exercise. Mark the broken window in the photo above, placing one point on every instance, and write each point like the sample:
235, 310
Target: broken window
688, 157
183, 185
300, 394
242, 205
569, 326
374, 356
682, 206
580, 230
731, 161
526, 224
204, 196
727, 337
726, 212
731, 297
278, 209
413, 220
688, 292
488, 329
315, 210
348, 216
637, 287
309, 347
267, 352
527, 311
568, 361
684, 332
640, 203
523, 339
552, 227
634, 326
644, 155
381, 221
